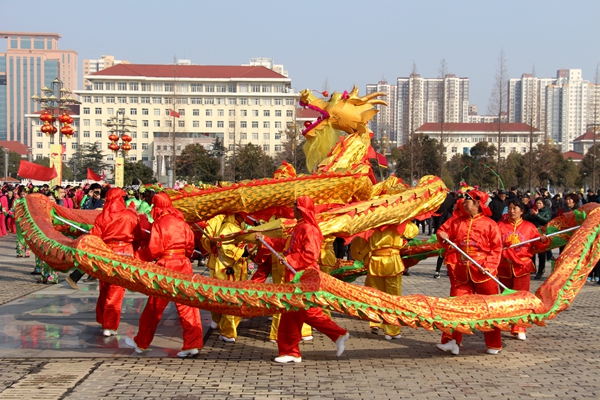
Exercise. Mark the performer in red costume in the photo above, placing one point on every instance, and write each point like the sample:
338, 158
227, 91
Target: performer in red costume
118, 227
479, 237
302, 253
172, 243
516, 264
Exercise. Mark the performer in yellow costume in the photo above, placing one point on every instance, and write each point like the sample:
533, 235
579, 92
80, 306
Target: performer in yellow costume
385, 266
213, 226
231, 265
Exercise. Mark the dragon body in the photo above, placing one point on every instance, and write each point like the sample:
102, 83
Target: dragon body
342, 185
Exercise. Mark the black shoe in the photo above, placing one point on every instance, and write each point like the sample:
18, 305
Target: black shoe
436, 275
90, 279
537, 277
406, 273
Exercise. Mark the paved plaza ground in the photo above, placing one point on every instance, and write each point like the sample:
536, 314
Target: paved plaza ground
51, 348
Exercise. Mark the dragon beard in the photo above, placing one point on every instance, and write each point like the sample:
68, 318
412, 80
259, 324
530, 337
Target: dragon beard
318, 146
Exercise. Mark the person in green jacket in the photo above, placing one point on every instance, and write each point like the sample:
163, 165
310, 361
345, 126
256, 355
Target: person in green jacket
539, 215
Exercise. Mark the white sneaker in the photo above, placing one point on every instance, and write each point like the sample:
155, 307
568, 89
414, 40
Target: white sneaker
388, 337
450, 346
307, 338
273, 341
521, 336
341, 344
188, 353
213, 325
493, 351
109, 332
287, 359
226, 339
131, 343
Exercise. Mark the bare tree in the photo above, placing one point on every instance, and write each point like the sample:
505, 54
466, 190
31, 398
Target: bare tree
498, 102
442, 93
596, 128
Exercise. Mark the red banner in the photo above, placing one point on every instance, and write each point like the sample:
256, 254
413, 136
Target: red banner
37, 172
92, 176
173, 113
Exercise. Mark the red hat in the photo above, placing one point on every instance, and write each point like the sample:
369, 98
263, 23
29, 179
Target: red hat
482, 198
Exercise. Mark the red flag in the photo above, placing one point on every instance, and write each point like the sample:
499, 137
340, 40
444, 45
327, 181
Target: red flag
92, 176
30, 170
173, 113
382, 160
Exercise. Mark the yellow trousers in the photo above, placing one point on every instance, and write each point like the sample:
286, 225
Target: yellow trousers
391, 286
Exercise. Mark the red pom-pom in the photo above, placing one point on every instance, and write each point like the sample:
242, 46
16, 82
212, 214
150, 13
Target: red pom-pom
326, 93
307, 124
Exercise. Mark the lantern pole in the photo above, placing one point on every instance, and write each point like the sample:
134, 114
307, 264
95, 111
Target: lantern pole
55, 102
119, 128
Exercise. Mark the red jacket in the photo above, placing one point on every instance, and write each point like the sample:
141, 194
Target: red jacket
477, 236
517, 262
118, 232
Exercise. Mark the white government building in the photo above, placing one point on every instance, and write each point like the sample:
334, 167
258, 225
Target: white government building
238, 104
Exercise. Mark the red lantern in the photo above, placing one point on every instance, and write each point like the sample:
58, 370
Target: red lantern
114, 147
126, 138
113, 138
67, 130
54, 129
126, 147
47, 129
64, 118
46, 116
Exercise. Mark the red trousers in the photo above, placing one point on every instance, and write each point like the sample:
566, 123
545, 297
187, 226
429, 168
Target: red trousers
493, 339
189, 317
517, 283
10, 222
290, 329
108, 306
2, 224
262, 273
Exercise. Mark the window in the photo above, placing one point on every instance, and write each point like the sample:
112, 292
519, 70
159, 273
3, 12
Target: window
209, 124
121, 99
157, 86
145, 100
109, 85
266, 136
277, 147
39, 145
244, 136
98, 111
221, 88
231, 102
39, 134
266, 102
98, 134
144, 146
98, 85
266, 124
73, 146
232, 136
266, 147
157, 123
255, 102
220, 124
231, 88
144, 135
255, 113
98, 122
230, 149
255, 124
266, 88
255, 88
145, 122
266, 113
145, 111
168, 123
278, 136
196, 124
86, 134
243, 87
289, 102
181, 112
110, 111
244, 113
209, 101
157, 100
243, 124
87, 99
196, 87
168, 87
278, 125
181, 124
134, 99
278, 102
133, 111
146, 87
134, 135
209, 88
289, 113
121, 85
156, 111
255, 136
196, 112
278, 113
220, 100
86, 122
98, 99
243, 102
232, 124
209, 113
86, 110
134, 86
278, 88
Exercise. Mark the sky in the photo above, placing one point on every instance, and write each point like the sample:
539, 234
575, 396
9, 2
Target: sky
330, 45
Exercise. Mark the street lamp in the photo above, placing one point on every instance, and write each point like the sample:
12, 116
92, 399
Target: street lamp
119, 128
55, 102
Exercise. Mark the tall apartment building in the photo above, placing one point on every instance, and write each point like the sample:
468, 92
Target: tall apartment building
527, 98
237, 104
32, 61
421, 100
384, 122
91, 66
